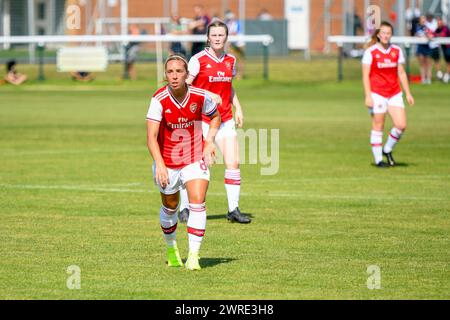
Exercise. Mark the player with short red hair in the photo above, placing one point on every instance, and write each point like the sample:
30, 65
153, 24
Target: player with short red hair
383, 72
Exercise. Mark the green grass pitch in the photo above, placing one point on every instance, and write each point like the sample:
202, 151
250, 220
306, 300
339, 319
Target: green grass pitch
76, 189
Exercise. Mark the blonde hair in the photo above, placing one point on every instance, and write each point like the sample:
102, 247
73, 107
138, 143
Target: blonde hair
374, 38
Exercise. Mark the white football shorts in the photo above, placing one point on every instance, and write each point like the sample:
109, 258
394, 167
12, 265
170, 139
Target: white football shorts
226, 129
380, 103
178, 177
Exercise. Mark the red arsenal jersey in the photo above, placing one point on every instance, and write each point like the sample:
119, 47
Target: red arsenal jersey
215, 75
384, 69
180, 135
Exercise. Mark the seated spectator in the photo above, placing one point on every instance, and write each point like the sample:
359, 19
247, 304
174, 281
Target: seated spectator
82, 76
264, 15
12, 76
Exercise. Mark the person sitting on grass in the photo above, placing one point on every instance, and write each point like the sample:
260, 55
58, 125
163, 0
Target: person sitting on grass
82, 76
12, 76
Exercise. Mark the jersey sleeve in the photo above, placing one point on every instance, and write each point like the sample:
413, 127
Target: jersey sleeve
367, 57
154, 111
193, 67
234, 68
401, 57
209, 106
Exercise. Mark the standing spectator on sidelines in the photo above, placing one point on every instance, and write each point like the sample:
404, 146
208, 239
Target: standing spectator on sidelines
423, 51
443, 31
238, 47
176, 28
412, 19
132, 50
198, 26
12, 76
435, 57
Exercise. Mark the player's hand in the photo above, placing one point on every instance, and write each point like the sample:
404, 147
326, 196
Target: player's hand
369, 102
162, 176
209, 153
216, 98
239, 117
410, 99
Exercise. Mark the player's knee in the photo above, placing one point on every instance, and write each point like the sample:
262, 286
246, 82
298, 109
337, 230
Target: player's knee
197, 198
170, 203
232, 162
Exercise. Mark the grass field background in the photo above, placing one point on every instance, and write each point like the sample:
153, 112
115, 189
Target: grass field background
76, 189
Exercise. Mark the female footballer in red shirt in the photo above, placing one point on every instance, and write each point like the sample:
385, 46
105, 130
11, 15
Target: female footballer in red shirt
175, 141
383, 71
213, 69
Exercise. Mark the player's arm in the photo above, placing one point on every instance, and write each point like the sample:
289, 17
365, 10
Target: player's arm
213, 127
367, 61
210, 109
209, 150
238, 115
366, 83
161, 174
405, 84
154, 117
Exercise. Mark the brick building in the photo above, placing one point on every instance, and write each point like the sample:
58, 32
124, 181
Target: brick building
320, 23
326, 16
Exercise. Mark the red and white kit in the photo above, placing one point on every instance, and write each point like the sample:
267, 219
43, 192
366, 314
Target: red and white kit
180, 134
384, 81
216, 75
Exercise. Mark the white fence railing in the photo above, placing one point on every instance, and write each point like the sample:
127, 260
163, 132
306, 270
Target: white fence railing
41, 41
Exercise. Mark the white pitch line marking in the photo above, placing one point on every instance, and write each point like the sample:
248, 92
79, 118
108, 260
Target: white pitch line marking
271, 195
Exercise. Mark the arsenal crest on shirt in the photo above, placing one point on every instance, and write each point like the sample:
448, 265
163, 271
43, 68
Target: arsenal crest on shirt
228, 65
193, 107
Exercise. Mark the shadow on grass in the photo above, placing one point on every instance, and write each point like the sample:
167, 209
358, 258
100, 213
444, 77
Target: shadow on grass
403, 164
398, 164
211, 262
224, 216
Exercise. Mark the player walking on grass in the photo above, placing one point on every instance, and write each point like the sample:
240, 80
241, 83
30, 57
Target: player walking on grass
213, 69
181, 156
382, 67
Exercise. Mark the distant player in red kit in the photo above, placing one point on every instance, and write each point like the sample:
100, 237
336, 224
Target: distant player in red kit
382, 66
213, 69
174, 139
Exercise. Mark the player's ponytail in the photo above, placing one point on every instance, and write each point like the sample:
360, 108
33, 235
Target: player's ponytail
374, 38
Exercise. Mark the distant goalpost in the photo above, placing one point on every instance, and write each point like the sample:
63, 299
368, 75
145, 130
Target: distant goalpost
98, 40
406, 42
